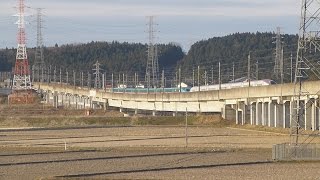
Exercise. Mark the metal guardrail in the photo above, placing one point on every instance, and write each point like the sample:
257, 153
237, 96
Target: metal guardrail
301, 152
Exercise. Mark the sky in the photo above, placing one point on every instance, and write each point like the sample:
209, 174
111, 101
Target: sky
182, 22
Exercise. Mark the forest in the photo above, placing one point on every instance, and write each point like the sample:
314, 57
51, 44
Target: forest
231, 51
114, 56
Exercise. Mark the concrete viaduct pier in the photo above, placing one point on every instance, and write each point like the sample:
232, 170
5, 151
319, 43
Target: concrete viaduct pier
272, 106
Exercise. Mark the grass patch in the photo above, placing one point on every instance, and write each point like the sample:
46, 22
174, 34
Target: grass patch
71, 121
162, 120
263, 128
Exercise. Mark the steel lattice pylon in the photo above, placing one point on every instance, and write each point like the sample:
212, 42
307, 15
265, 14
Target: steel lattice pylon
278, 65
97, 72
152, 69
307, 66
21, 79
39, 65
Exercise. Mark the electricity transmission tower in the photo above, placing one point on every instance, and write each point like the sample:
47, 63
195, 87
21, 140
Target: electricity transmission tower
97, 72
39, 58
152, 69
307, 53
278, 65
21, 79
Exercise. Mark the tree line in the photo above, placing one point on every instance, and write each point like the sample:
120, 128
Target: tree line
114, 56
117, 57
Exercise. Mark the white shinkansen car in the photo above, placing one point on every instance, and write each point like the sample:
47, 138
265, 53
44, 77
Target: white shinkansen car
264, 82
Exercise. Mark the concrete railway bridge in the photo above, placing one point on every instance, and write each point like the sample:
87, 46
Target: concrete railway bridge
273, 106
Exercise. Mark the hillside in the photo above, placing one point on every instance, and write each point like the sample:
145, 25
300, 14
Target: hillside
132, 57
235, 48
114, 57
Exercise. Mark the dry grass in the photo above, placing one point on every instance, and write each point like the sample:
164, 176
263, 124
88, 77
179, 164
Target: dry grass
67, 121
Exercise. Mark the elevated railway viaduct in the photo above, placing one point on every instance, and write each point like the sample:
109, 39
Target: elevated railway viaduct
273, 106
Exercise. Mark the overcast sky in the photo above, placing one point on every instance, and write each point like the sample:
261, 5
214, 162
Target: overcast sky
179, 21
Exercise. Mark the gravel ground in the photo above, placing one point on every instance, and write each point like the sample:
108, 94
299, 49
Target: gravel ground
154, 152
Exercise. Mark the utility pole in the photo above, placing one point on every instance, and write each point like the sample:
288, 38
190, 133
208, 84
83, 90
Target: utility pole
138, 82
60, 76
89, 80
119, 80
205, 78
176, 79
186, 130
55, 74
281, 66
212, 74
103, 81
291, 67
257, 70
126, 78
42, 74
199, 78
74, 77
192, 77
179, 79
81, 78
124, 85
112, 83
233, 75
162, 78
33, 74
135, 80
219, 76
249, 69
49, 74
67, 73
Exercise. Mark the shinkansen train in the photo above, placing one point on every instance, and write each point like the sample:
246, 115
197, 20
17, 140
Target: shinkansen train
150, 90
264, 82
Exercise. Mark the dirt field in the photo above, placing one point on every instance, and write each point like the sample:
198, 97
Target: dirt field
148, 152
64, 144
